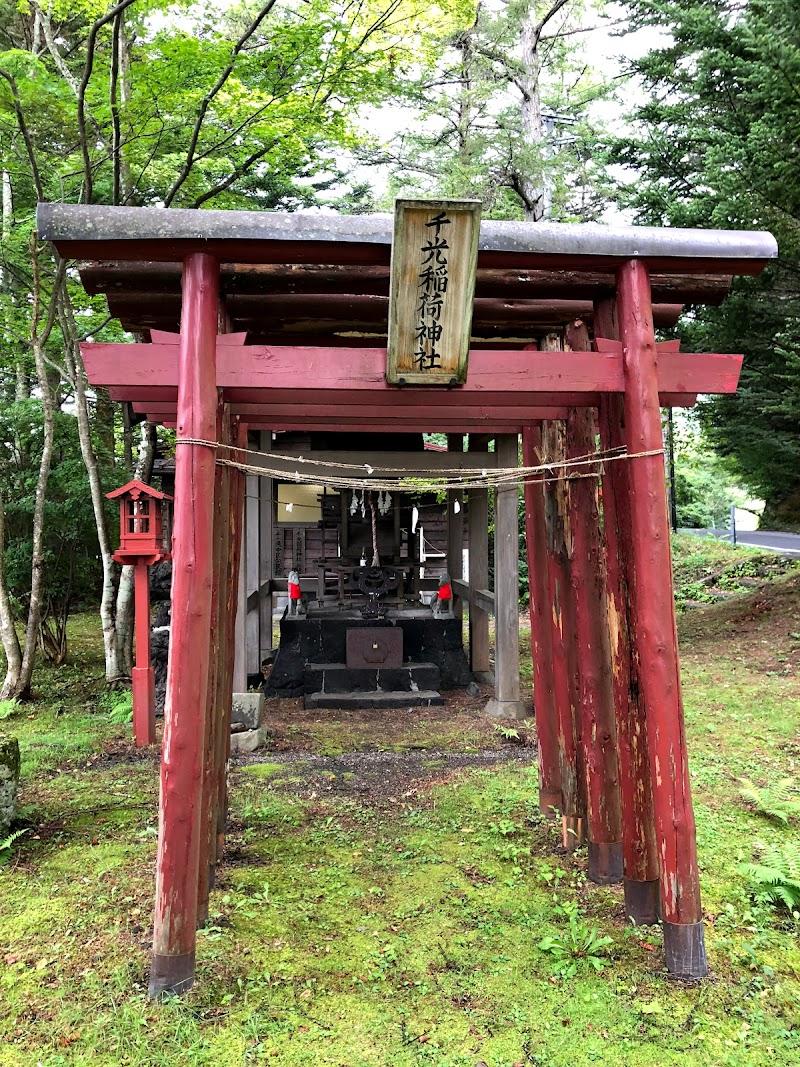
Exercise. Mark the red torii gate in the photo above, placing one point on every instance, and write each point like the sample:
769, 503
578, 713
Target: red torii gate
610, 720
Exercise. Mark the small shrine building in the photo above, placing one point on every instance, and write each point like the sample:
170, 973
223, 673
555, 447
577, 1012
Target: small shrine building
256, 325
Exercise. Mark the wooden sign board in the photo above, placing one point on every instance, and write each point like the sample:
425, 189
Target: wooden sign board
434, 257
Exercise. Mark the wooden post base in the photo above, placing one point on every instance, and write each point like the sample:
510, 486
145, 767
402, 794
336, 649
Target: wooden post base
571, 832
643, 901
550, 804
144, 706
605, 862
170, 975
685, 950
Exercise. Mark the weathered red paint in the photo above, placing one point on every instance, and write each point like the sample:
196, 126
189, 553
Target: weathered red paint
562, 620
235, 519
254, 373
174, 930
541, 628
208, 811
596, 701
640, 856
654, 605
399, 416
142, 675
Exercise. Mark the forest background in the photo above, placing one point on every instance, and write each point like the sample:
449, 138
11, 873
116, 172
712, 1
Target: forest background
519, 103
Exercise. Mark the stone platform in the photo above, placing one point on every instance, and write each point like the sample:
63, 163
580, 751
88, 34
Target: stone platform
312, 656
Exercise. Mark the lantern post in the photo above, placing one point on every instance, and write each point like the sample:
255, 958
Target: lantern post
141, 543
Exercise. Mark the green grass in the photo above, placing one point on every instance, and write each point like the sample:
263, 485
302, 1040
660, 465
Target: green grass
400, 932
706, 569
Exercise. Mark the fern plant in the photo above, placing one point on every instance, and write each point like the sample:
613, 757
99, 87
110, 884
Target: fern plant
508, 733
7, 842
776, 877
778, 802
122, 710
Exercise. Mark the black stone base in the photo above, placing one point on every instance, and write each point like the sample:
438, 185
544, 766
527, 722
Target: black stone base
322, 640
337, 678
357, 701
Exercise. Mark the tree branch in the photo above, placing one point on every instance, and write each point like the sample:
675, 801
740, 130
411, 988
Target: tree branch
232, 177
208, 99
551, 14
26, 137
84, 84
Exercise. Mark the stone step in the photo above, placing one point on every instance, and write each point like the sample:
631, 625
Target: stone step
337, 678
425, 698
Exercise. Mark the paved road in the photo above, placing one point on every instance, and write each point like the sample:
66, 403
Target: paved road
787, 544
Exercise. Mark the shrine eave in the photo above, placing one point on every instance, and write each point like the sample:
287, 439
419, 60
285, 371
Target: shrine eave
133, 234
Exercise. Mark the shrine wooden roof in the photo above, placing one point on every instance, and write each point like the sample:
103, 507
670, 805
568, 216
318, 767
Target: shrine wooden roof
323, 279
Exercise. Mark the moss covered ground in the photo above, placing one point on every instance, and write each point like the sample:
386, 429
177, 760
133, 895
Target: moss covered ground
386, 887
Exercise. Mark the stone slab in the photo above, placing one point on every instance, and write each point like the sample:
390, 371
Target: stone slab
249, 740
247, 709
358, 701
506, 709
9, 781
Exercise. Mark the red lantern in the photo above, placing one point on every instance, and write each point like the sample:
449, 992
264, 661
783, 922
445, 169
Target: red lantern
143, 539
143, 533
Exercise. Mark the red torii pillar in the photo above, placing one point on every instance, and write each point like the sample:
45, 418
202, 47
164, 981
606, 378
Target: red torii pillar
640, 856
174, 930
597, 731
544, 702
655, 630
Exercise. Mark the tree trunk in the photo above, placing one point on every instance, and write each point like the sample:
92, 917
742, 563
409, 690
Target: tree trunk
8, 633
528, 184
114, 669
21, 686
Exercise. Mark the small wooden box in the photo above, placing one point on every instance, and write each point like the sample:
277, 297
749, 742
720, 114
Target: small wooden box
374, 647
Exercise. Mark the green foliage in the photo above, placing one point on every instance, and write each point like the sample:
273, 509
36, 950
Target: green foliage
508, 733
704, 486
7, 842
72, 568
713, 147
776, 877
779, 801
120, 706
579, 947
8, 708
506, 122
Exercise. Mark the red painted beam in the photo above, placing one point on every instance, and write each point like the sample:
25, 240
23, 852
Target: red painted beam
399, 415
177, 867
371, 426
656, 637
244, 371
362, 254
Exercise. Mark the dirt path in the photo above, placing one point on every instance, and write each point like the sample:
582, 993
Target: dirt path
368, 775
